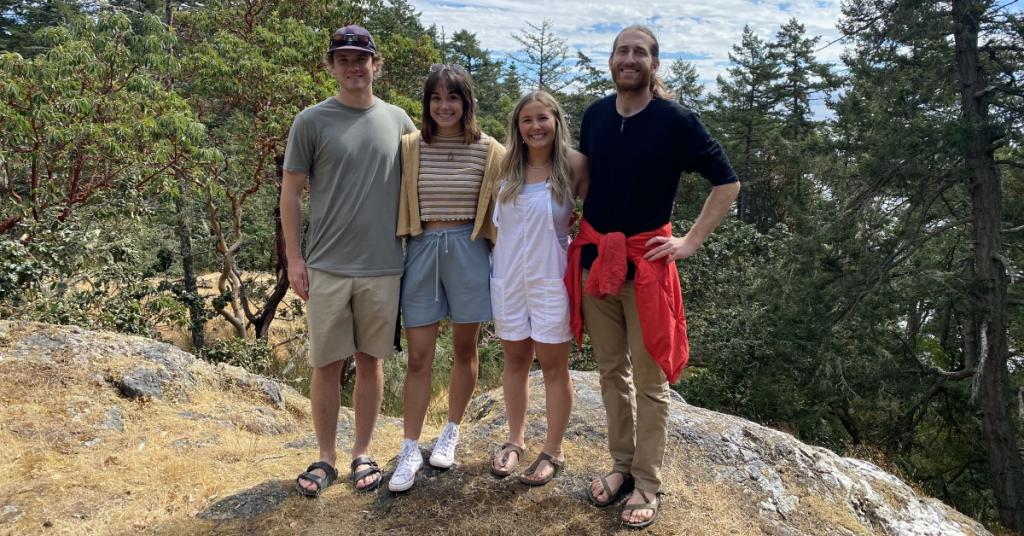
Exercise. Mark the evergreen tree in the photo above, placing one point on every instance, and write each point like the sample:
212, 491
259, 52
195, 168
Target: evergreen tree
545, 57
464, 49
21, 19
684, 82
804, 80
744, 116
934, 95
589, 84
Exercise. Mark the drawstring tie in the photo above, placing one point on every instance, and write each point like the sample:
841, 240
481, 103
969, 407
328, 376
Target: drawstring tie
437, 261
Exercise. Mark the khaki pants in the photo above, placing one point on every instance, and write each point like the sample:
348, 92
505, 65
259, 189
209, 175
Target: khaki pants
633, 386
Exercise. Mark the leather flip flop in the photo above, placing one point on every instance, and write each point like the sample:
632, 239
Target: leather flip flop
556, 464
509, 449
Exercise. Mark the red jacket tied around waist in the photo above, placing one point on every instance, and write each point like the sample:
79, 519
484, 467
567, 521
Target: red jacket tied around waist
659, 298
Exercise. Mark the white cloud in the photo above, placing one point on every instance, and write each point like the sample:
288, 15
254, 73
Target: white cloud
703, 31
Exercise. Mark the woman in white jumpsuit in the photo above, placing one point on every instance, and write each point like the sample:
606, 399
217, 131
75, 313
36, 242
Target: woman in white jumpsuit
541, 176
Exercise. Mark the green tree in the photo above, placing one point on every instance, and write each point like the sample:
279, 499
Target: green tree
249, 80
684, 82
934, 96
88, 120
804, 79
91, 133
545, 57
464, 49
20, 20
589, 84
744, 116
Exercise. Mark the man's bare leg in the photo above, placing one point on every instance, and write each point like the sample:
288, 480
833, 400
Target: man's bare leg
366, 399
325, 398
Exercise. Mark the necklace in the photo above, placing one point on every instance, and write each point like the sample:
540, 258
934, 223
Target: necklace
542, 166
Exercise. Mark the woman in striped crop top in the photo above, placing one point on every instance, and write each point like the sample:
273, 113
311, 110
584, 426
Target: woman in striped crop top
449, 169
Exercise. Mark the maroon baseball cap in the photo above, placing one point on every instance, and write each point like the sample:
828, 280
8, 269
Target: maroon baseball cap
352, 37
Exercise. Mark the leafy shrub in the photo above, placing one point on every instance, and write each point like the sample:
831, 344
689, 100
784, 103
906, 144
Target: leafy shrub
18, 270
252, 355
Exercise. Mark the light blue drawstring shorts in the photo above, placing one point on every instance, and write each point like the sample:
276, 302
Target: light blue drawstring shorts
446, 275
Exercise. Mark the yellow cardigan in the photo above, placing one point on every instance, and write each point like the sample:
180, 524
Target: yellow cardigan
409, 202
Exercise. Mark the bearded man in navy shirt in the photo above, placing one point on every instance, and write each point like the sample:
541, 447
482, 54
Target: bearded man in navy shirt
622, 277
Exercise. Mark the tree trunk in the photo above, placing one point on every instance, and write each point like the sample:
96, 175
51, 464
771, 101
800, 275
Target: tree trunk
183, 228
992, 387
266, 316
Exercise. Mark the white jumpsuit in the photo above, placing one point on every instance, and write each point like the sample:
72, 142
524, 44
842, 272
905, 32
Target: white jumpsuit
528, 295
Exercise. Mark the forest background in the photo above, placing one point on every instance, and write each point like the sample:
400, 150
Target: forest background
864, 295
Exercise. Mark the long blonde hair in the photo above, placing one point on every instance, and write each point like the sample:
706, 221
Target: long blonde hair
513, 167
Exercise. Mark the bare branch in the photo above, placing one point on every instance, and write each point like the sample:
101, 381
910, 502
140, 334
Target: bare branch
1011, 163
955, 375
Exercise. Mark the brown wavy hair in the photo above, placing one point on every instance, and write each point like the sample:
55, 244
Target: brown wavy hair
456, 80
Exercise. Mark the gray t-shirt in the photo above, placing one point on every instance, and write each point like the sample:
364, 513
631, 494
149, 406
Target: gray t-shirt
351, 156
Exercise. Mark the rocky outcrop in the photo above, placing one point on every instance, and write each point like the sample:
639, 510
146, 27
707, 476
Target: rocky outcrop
105, 433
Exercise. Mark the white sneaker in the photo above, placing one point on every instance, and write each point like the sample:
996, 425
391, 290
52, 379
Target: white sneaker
443, 455
409, 461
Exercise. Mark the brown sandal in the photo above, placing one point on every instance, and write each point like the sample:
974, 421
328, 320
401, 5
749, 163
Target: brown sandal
507, 450
625, 487
647, 505
556, 465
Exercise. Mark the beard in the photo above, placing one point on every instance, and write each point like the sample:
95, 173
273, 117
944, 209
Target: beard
637, 84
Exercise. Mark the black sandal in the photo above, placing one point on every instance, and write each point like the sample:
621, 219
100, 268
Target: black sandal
321, 481
556, 466
509, 449
359, 475
625, 487
647, 505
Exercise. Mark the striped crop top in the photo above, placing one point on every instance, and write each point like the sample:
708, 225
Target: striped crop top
451, 173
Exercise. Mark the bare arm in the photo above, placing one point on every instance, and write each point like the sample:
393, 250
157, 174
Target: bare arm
580, 174
715, 208
291, 220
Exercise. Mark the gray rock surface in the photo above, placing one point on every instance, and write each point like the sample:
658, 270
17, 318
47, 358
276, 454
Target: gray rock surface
10, 513
114, 419
142, 382
785, 478
266, 389
252, 502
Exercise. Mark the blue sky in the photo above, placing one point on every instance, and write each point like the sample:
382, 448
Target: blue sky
699, 31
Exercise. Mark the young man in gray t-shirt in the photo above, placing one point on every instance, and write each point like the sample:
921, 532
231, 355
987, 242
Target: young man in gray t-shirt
348, 147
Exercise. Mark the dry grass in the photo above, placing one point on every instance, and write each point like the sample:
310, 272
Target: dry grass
138, 481
825, 513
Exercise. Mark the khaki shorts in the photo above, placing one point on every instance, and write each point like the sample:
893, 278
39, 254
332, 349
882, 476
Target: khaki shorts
346, 315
